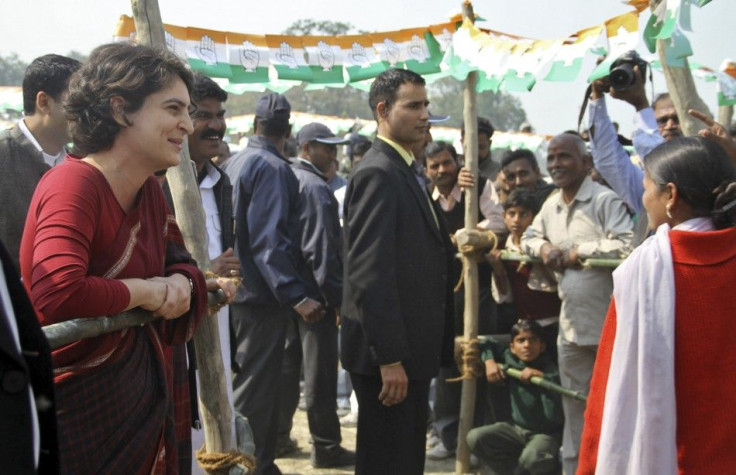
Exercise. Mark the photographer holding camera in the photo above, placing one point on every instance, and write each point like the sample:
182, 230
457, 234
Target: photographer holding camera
652, 126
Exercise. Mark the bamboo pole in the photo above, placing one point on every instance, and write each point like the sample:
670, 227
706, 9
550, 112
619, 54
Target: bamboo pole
217, 415
63, 333
543, 383
470, 267
682, 90
725, 116
586, 263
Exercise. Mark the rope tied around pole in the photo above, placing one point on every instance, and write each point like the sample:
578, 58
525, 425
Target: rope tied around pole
473, 244
219, 462
468, 360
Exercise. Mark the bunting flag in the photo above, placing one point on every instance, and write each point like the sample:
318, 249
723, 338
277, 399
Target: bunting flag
360, 58
248, 57
527, 62
287, 57
207, 53
246, 62
325, 59
623, 35
569, 59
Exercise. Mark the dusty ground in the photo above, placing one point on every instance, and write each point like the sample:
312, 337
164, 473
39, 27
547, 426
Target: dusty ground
297, 463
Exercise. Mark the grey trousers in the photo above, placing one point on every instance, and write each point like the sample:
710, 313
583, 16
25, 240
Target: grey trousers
314, 344
507, 448
258, 335
576, 369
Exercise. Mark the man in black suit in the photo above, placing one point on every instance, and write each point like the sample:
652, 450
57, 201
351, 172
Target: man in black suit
28, 440
397, 325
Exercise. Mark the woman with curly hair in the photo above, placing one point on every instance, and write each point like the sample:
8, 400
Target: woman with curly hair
99, 239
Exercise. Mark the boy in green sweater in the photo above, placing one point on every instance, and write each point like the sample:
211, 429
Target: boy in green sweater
531, 443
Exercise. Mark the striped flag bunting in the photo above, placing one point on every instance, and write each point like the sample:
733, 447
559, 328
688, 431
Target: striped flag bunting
243, 62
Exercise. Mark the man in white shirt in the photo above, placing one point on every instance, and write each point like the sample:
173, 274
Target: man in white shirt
35, 144
208, 119
584, 219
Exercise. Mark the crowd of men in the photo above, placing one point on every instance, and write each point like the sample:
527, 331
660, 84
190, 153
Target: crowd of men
371, 263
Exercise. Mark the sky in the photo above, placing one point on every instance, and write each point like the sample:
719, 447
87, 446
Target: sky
32, 28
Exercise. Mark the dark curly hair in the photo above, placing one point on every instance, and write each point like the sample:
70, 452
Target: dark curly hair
132, 72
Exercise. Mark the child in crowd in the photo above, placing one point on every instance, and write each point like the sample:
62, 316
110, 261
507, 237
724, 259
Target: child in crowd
530, 286
531, 442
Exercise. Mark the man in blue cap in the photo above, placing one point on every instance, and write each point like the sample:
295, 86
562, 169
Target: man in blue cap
315, 344
266, 203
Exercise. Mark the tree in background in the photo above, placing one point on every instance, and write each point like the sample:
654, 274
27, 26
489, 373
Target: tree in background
503, 110
11, 70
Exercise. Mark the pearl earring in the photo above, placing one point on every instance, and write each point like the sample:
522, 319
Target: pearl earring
668, 210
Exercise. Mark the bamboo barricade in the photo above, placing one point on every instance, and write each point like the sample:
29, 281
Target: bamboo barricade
544, 383
470, 267
586, 263
63, 333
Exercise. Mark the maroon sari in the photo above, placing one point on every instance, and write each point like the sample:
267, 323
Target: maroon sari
116, 394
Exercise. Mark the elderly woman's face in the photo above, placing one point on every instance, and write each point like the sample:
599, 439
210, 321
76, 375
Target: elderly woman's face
159, 126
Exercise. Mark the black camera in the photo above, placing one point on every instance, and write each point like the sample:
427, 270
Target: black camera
621, 75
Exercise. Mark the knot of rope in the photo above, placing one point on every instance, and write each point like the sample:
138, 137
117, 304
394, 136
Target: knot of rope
468, 360
219, 462
476, 253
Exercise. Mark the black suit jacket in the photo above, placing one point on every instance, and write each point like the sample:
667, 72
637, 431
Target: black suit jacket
17, 371
397, 297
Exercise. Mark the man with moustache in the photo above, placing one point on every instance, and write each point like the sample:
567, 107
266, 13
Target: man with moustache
397, 300
208, 119
583, 219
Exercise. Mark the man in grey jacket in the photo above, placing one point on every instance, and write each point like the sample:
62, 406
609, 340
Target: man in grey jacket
34, 145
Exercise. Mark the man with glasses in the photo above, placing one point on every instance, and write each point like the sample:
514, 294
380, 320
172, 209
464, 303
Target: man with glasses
652, 126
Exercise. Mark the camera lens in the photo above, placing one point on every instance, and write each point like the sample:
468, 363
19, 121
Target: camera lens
622, 76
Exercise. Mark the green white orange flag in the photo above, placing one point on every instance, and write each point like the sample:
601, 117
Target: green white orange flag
527, 61
569, 59
623, 35
248, 58
287, 57
207, 52
360, 58
325, 59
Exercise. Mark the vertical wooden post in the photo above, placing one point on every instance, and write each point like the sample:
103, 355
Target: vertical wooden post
217, 415
682, 90
470, 267
725, 116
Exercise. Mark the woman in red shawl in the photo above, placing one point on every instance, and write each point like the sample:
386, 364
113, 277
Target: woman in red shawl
99, 239
662, 391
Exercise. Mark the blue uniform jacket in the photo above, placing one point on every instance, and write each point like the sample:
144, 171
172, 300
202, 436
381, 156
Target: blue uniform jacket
266, 202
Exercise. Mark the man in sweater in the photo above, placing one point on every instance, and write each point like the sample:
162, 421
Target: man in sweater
35, 144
